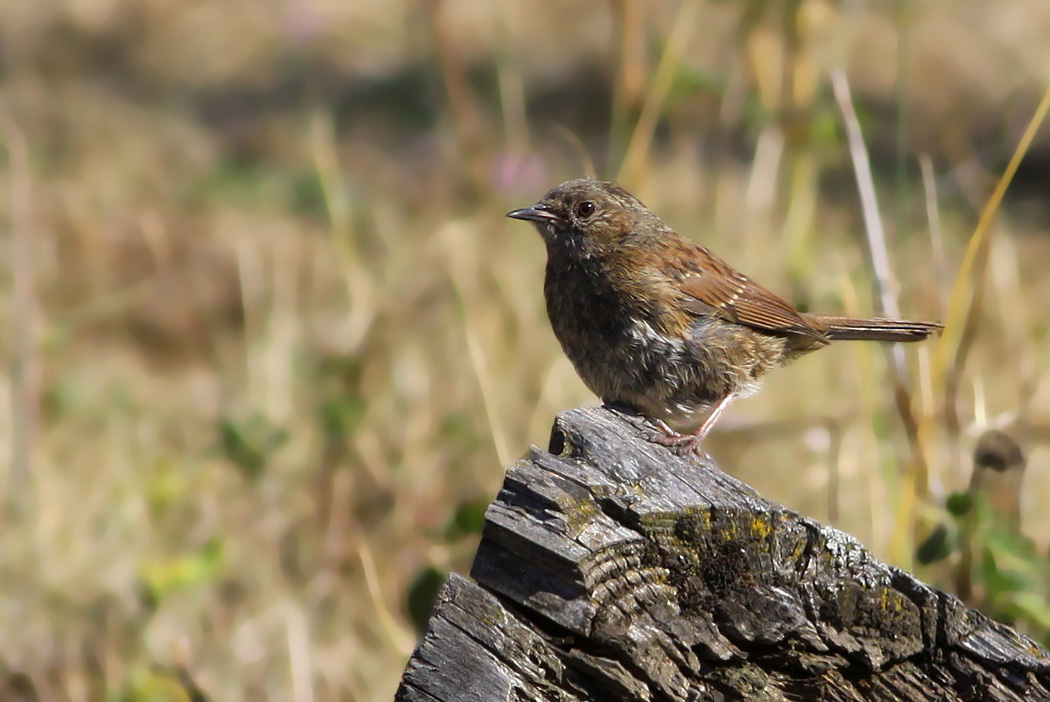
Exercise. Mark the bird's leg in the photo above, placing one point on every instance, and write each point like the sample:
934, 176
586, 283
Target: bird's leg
673, 439
713, 416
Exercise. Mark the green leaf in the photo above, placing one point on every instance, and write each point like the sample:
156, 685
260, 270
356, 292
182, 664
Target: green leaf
999, 580
1009, 545
249, 444
468, 519
164, 577
689, 81
421, 594
935, 547
1032, 607
341, 415
959, 503
168, 488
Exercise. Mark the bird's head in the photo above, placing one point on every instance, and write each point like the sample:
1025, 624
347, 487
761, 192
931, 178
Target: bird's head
584, 214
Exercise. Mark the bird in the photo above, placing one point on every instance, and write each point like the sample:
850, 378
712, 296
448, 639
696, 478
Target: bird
657, 324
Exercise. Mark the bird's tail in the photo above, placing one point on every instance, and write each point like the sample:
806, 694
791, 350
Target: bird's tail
875, 329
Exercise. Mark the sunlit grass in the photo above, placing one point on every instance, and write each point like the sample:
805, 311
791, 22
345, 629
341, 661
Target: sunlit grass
285, 342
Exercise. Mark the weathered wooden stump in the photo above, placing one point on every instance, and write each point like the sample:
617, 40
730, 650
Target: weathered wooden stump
612, 569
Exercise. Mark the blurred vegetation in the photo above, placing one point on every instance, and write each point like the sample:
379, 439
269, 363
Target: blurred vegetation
984, 556
270, 340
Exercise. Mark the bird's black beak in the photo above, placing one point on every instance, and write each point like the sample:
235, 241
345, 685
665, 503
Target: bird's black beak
536, 213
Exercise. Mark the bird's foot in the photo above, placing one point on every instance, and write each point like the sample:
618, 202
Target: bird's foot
681, 444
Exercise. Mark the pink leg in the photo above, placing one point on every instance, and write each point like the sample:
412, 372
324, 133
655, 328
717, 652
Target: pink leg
713, 416
687, 441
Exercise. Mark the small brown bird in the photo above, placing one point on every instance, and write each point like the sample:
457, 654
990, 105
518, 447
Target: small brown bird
655, 322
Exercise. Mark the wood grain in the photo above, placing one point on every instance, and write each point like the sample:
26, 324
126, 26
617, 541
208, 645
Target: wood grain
612, 569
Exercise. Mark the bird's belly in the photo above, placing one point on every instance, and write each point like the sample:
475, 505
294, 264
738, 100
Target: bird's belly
674, 379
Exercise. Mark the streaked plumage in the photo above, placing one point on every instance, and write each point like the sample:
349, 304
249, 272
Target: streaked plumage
653, 320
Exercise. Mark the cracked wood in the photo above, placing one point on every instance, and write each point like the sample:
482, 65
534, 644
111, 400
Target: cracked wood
612, 569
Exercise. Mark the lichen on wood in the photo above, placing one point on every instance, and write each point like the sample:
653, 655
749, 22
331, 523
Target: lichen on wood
611, 568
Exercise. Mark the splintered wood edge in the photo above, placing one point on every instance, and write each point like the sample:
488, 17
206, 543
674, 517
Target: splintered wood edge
612, 568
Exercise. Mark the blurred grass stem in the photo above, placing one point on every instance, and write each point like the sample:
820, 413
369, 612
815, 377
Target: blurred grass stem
396, 635
634, 162
511, 86
477, 359
964, 306
916, 481
299, 662
630, 77
460, 93
359, 286
885, 283
933, 217
25, 367
902, 95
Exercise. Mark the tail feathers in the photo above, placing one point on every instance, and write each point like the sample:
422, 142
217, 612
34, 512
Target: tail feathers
849, 329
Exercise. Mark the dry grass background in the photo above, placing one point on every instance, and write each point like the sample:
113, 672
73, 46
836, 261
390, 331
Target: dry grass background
271, 341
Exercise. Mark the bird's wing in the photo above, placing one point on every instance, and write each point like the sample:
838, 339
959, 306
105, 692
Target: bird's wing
715, 288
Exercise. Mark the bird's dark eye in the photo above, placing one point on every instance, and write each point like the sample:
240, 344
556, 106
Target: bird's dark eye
585, 209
